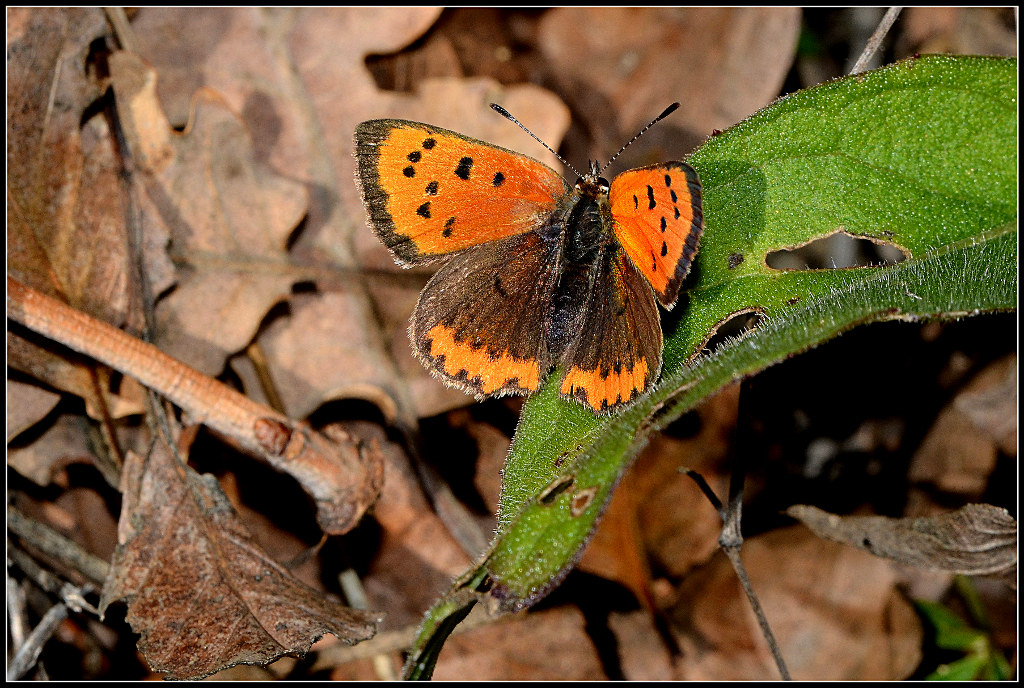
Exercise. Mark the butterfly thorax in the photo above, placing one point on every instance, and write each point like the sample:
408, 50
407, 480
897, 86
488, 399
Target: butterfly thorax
581, 223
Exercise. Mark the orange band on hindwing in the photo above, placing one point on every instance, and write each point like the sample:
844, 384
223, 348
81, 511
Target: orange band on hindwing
481, 370
617, 355
602, 389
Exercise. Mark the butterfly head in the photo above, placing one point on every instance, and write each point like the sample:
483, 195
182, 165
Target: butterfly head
592, 185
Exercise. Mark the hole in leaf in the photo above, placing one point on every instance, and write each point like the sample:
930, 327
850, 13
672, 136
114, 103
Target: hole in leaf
551, 492
835, 251
736, 326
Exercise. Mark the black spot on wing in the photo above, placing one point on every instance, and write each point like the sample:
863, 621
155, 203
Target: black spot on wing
465, 165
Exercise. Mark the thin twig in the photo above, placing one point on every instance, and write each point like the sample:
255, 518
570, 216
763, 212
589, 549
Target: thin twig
356, 597
731, 537
17, 626
875, 41
71, 595
28, 654
122, 28
55, 545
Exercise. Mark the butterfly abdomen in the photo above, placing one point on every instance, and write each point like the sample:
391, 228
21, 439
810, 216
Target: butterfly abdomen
583, 240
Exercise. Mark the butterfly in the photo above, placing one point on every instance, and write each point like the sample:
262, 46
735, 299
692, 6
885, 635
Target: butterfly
536, 273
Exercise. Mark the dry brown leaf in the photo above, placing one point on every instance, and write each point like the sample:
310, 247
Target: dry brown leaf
721, 64
960, 450
65, 221
977, 539
959, 30
417, 557
657, 516
641, 653
33, 404
200, 592
455, 103
64, 441
835, 611
56, 166
323, 352
547, 645
228, 218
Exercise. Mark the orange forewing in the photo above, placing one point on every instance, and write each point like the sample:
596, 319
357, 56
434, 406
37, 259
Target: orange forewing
656, 212
430, 191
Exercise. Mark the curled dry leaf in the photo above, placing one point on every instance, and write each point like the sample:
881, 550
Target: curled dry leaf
977, 539
202, 595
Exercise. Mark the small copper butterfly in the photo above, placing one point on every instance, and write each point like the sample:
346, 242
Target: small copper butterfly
537, 273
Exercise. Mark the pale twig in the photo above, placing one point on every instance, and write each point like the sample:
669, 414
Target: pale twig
875, 42
356, 597
28, 654
54, 545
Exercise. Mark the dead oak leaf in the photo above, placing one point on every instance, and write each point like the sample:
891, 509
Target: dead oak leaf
227, 215
202, 595
300, 80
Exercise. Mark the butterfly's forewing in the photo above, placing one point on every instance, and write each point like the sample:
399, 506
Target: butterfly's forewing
479, 323
618, 353
429, 191
658, 219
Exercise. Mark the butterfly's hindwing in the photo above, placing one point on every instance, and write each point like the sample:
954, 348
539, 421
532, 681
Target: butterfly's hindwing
617, 354
478, 324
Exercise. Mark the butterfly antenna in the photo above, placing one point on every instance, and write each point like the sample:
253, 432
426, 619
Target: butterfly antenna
668, 111
505, 113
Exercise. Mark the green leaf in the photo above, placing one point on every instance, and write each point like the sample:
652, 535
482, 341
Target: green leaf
920, 155
982, 660
966, 669
951, 633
